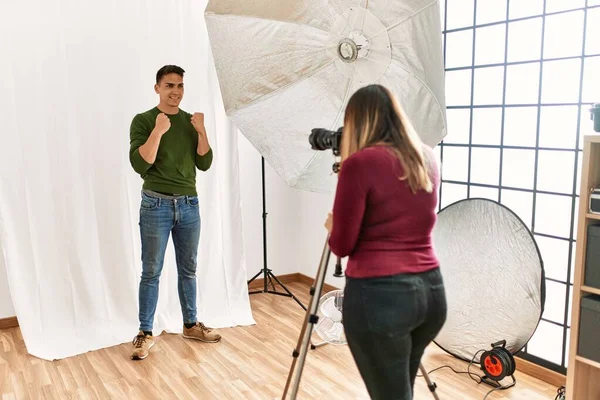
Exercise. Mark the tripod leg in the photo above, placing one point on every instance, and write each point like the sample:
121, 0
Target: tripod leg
432, 386
269, 274
254, 277
287, 290
310, 320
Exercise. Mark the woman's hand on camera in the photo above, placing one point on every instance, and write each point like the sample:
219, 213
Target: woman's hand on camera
329, 223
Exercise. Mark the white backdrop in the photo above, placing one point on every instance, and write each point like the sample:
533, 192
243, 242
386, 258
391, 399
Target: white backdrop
73, 74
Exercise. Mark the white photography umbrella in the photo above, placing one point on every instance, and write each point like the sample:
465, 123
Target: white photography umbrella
288, 66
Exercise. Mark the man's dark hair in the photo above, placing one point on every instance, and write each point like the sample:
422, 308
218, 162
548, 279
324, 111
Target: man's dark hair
168, 69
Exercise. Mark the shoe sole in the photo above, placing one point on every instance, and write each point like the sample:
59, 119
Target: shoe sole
202, 340
137, 358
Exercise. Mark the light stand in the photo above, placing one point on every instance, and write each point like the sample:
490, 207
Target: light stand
266, 272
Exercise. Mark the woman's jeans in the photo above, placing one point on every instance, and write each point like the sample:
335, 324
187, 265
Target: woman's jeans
159, 217
389, 321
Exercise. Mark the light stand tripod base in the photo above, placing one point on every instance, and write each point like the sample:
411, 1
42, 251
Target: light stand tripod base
268, 276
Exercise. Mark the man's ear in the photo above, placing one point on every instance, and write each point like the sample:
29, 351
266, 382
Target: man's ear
156, 88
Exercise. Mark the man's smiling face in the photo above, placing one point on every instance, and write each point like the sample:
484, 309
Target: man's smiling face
170, 90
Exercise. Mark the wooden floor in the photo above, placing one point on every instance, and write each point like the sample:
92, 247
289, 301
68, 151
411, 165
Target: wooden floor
250, 363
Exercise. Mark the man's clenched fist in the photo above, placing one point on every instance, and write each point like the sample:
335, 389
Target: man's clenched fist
198, 122
163, 123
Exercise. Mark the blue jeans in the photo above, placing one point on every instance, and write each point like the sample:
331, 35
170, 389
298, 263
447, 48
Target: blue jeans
388, 323
159, 217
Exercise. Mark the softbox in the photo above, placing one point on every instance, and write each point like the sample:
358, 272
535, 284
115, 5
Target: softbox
494, 278
288, 66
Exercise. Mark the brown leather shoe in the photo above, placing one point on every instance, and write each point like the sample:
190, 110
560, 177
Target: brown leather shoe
201, 332
141, 346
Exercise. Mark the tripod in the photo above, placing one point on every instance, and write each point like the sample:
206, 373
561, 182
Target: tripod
267, 274
311, 319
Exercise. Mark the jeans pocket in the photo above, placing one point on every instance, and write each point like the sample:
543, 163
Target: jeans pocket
391, 308
193, 201
148, 202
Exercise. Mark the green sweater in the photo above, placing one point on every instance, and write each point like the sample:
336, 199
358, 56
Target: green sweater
174, 170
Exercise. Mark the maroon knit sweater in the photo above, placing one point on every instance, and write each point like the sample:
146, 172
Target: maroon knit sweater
378, 222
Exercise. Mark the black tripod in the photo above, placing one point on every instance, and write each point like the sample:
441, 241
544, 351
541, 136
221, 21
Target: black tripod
266, 272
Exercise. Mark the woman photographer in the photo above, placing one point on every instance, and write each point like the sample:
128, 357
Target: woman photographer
383, 215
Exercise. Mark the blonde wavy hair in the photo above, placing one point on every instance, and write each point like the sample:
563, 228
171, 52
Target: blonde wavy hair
374, 117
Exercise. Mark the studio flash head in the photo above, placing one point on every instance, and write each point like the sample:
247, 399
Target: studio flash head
324, 139
595, 111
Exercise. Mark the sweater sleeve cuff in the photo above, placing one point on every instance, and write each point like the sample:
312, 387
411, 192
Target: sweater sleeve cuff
336, 249
204, 162
332, 246
138, 163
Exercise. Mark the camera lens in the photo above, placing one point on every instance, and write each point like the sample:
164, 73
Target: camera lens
321, 139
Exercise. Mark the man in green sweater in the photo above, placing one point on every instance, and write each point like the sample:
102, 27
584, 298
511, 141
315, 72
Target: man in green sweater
167, 144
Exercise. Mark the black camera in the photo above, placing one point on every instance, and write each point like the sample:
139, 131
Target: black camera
595, 111
324, 139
